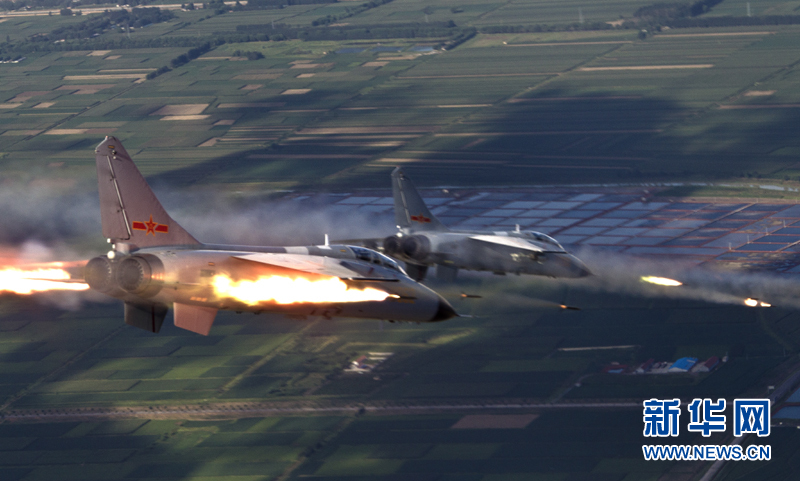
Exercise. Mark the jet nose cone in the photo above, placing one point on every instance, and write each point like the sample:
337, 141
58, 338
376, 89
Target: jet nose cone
445, 311
581, 269
574, 267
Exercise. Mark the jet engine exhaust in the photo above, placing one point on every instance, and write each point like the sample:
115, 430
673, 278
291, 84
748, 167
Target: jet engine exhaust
392, 245
416, 247
287, 290
51, 276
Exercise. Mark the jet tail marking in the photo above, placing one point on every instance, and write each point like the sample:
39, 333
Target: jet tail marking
410, 210
129, 210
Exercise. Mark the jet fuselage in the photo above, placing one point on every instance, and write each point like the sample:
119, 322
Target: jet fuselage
423, 240
500, 252
186, 275
156, 264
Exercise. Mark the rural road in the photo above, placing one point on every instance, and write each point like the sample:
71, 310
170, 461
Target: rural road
245, 410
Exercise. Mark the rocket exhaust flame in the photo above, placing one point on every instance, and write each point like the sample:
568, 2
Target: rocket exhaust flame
286, 290
662, 281
42, 278
750, 302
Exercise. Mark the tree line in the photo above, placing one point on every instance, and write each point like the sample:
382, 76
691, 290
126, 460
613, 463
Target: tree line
348, 12
96, 25
33, 4
671, 10
281, 31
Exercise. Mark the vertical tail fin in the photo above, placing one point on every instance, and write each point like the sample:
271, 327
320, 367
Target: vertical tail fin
129, 211
410, 210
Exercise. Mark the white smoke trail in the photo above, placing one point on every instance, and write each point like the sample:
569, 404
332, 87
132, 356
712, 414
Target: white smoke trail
618, 273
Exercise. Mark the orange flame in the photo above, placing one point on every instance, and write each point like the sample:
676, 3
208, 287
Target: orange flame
750, 302
662, 281
286, 290
49, 277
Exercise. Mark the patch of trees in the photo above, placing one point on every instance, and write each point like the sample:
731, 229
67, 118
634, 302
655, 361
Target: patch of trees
190, 55
733, 21
348, 12
663, 10
130, 3
492, 29
22, 4
266, 4
687, 15
217, 6
95, 25
60, 4
122, 42
182, 59
702, 6
251, 55
672, 10
156, 73
447, 30
462, 37
193, 53
86, 35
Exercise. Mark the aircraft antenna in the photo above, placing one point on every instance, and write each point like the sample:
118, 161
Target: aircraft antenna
327, 242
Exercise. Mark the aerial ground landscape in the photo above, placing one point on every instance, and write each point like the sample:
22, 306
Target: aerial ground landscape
648, 138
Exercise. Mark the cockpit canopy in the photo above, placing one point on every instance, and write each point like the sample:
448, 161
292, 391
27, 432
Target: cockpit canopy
539, 237
374, 257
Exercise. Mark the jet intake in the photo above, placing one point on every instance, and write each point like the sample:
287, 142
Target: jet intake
140, 275
416, 247
392, 245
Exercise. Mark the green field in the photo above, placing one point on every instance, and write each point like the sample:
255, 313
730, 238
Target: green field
505, 354
551, 101
601, 105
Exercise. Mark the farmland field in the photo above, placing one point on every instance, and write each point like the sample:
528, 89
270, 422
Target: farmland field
503, 355
713, 109
314, 101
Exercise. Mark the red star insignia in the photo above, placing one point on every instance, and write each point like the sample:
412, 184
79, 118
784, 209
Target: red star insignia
150, 227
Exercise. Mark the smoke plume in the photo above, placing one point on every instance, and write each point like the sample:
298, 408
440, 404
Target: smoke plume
618, 273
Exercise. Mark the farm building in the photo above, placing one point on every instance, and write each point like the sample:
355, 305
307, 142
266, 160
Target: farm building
683, 364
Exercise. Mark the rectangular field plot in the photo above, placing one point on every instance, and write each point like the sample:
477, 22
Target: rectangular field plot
463, 93
741, 8
552, 444
559, 12
462, 12
116, 450
499, 61
262, 18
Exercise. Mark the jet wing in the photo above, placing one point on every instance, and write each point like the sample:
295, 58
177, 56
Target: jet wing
514, 242
374, 244
324, 266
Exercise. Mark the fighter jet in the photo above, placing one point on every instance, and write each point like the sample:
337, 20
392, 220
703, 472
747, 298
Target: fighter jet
423, 241
154, 264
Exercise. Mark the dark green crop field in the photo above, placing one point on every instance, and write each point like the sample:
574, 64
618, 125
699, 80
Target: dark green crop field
600, 105
324, 97
413, 415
